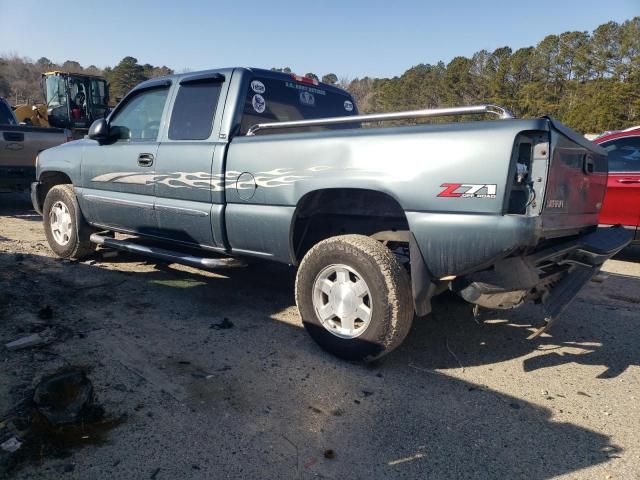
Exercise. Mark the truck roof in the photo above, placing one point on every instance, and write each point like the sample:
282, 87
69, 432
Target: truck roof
262, 72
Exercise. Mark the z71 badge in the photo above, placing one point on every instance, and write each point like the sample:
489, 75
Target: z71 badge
468, 190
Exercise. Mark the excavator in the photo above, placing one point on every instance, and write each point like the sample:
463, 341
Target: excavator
73, 101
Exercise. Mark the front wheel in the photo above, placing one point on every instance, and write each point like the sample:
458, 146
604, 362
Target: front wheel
354, 297
64, 226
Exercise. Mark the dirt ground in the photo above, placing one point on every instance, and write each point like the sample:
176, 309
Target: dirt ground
188, 394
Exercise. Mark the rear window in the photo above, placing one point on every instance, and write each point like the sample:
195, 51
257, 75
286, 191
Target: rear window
6, 117
281, 100
624, 154
193, 111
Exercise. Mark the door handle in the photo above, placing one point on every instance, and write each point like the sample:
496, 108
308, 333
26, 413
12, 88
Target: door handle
13, 136
145, 159
628, 180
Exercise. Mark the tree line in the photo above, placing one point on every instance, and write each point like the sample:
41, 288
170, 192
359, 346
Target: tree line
20, 77
588, 80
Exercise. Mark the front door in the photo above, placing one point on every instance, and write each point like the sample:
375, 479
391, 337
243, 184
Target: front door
622, 201
118, 179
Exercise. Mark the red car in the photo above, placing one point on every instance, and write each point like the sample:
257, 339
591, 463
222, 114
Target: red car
622, 200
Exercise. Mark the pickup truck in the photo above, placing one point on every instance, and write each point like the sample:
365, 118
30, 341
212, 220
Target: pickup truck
19, 146
213, 167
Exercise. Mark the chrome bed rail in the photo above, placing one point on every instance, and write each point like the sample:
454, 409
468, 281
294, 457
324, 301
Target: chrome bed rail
500, 112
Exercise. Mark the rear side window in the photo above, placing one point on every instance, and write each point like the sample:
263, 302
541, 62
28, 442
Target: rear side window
193, 111
281, 100
624, 154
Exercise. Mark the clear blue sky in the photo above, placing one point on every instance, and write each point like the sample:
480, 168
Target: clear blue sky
350, 38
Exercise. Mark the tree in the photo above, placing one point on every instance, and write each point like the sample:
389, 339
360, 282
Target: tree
45, 64
312, 76
330, 78
126, 75
71, 66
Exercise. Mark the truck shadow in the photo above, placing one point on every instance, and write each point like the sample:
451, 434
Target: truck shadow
18, 205
384, 421
600, 328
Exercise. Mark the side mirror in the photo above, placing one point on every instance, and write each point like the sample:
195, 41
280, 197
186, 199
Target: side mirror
99, 130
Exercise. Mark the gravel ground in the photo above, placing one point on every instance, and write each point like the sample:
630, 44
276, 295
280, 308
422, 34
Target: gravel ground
188, 394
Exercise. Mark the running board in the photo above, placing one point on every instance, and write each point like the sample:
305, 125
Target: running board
167, 255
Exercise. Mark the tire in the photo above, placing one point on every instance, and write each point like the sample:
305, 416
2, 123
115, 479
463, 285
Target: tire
64, 226
329, 296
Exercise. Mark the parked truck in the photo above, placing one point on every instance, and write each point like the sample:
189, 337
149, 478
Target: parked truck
19, 146
217, 166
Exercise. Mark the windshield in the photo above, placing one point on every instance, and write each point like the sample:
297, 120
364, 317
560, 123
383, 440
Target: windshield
55, 91
6, 116
280, 100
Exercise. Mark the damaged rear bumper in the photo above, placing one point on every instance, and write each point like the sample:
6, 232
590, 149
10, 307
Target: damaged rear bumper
552, 276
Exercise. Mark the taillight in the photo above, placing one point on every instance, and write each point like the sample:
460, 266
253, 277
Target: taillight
307, 80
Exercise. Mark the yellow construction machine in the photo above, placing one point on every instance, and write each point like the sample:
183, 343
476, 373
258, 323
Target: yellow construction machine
73, 101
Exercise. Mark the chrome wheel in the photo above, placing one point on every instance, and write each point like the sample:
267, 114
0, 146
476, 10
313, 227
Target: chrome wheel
342, 301
60, 223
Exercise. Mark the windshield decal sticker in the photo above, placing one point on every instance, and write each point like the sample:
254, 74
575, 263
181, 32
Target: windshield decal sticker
317, 91
259, 105
307, 98
258, 87
348, 105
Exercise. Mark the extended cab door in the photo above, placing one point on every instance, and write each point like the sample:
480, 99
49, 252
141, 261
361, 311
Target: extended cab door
190, 167
118, 179
622, 200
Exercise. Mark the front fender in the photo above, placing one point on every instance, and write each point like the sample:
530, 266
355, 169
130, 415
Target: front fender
65, 159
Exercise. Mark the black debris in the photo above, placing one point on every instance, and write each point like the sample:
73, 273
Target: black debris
225, 324
45, 313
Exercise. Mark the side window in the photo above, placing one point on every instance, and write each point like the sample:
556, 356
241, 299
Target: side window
624, 154
193, 111
140, 118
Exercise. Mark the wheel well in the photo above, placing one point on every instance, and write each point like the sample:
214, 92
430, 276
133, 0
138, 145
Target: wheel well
48, 180
325, 213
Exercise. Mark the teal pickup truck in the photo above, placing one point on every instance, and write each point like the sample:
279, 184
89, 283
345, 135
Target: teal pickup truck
212, 167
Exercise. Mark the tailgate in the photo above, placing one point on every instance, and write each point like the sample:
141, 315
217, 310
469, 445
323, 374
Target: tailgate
576, 182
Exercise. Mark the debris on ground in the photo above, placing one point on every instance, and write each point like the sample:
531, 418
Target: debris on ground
26, 342
63, 397
225, 324
11, 445
330, 454
45, 313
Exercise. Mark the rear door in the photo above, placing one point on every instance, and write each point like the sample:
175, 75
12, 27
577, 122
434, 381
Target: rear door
118, 179
622, 201
189, 174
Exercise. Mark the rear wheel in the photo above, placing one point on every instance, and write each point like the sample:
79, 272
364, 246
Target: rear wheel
64, 226
354, 297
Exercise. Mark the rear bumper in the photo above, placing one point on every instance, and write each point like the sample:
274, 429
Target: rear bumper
592, 249
552, 276
16, 178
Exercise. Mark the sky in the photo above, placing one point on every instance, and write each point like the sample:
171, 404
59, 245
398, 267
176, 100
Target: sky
352, 39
